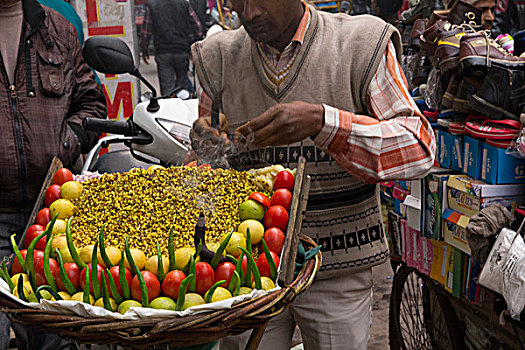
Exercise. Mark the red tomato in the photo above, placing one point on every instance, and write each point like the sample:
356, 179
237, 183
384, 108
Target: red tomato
224, 271
73, 273
152, 285
274, 239
282, 197
284, 179
204, 277
33, 232
276, 216
260, 198
83, 277
171, 283
52, 194
39, 256
114, 271
42, 218
40, 276
264, 266
62, 176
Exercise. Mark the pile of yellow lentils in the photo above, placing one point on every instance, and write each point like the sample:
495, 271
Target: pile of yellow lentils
144, 205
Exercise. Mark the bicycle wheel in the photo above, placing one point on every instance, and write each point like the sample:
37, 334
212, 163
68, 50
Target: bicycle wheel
419, 317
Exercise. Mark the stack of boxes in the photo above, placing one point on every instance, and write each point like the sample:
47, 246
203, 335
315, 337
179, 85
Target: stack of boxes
427, 219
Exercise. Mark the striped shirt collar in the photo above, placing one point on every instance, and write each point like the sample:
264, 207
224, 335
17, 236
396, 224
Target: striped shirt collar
298, 37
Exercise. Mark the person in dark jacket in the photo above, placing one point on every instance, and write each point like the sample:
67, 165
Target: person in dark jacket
510, 17
201, 8
46, 90
174, 26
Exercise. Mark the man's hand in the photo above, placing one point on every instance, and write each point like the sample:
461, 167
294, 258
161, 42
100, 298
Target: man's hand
205, 140
145, 57
283, 124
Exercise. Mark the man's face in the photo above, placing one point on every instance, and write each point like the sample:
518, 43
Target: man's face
264, 20
487, 16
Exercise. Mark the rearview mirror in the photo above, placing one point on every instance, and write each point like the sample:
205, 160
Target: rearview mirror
108, 55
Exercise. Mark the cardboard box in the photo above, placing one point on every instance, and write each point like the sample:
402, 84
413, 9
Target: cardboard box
413, 247
459, 272
472, 150
498, 167
413, 210
433, 203
427, 250
449, 267
444, 151
456, 160
454, 230
468, 196
438, 269
473, 285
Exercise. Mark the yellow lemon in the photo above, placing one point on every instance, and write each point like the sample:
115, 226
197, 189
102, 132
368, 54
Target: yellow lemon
213, 246
236, 240
113, 254
138, 257
86, 253
66, 255
192, 299
59, 227
59, 243
112, 304
71, 190
266, 283
256, 230
219, 294
182, 257
64, 295
244, 290
164, 303
80, 297
15, 278
26, 287
152, 265
63, 207
46, 295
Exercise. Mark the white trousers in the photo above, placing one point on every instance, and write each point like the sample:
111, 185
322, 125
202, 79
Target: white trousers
333, 314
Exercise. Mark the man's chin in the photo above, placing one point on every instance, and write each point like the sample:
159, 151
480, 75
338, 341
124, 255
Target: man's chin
259, 36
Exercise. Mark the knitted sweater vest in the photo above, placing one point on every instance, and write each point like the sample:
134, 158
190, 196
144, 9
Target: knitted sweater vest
334, 65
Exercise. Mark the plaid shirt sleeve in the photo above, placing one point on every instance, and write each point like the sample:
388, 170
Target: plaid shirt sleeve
397, 142
147, 30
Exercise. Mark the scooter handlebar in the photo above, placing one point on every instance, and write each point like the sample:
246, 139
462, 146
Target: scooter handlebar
110, 126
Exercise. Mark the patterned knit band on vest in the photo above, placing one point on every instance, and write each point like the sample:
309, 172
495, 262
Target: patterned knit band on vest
334, 65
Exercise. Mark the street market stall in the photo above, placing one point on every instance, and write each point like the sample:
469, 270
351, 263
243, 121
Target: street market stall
230, 258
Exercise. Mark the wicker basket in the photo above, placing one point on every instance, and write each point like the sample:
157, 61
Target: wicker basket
180, 331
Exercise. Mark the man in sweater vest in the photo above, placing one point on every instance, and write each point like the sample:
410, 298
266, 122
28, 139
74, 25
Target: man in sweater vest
298, 82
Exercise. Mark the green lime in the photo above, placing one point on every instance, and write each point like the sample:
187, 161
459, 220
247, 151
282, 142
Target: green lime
163, 303
126, 305
251, 210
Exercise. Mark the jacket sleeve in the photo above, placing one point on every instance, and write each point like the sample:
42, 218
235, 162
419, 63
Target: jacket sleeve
87, 99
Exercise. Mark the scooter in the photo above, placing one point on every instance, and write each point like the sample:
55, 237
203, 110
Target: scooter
156, 133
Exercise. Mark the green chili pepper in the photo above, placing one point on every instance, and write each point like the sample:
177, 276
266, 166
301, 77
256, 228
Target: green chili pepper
217, 256
7, 278
103, 254
171, 251
231, 258
253, 267
51, 291
49, 229
94, 272
209, 294
182, 292
105, 293
271, 263
198, 251
235, 284
30, 260
248, 281
143, 288
47, 271
21, 293
63, 274
192, 272
238, 267
113, 288
18, 255
72, 249
122, 278
86, 297
160, 265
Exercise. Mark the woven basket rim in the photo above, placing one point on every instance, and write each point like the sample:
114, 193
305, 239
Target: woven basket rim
177, 331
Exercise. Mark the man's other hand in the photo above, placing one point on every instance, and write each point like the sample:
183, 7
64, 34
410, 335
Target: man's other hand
282, 124
205, 139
